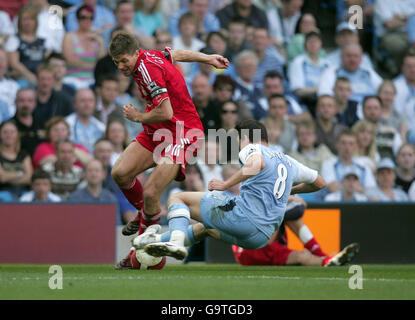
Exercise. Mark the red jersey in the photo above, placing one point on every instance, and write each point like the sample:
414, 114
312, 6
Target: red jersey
158, 79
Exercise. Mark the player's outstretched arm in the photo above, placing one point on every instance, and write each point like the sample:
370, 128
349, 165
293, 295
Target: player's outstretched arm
215, 60
252, 167
318, 184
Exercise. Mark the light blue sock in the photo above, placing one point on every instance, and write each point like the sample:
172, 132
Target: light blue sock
179, 218
189, 240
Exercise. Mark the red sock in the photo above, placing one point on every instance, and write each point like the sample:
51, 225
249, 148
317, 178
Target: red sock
147, 220
134, 194
325, 260
313, 246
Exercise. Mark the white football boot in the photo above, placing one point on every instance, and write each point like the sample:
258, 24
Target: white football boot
149, 236
161, 249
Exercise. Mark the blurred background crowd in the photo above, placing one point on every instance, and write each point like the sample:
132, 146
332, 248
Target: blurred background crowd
338, 98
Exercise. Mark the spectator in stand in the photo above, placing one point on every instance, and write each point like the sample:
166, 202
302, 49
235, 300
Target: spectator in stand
385, 190
327, 126
6, 27
229, 115
124, 14
278, 112
349, 191
41, 189
29, 127
405, 93
124, 84
366, 144
346, 34
390, 116
8, 87
147, 17
26, 51
305, 71
58, 64
106, 65
193, 182
100, 21
388, 140
117, 134
228, 171
107, 92
206, 21
65, 175
274, 129
217, 41
15, 167
364, 81
333, 169
246, 66
57, 129
309, 152
49, 27
85, 129
94, 191
283, 22
274, 84
82, 48
12, 7
347, 110
50, 103
208, 162
103, 150
223, 90
305, 24
390, 21
269, 59
405, 167
242, 9
411, 192
236, 38
203, 68
206, 108
187, 40
4, 111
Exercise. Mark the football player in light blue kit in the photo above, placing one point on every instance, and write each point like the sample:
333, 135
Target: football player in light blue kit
247, 220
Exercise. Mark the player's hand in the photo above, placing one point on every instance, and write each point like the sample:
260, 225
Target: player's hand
131, 113
218, 61
216, 184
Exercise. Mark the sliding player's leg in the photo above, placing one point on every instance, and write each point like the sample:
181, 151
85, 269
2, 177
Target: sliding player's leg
306, 236
134, 160
304, 258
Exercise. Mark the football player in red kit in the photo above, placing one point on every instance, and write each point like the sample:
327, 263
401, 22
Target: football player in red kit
172, 127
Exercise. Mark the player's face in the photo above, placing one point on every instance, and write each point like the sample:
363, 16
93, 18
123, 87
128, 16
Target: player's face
126, 63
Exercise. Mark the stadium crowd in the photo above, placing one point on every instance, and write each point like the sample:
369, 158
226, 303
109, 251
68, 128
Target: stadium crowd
339, 99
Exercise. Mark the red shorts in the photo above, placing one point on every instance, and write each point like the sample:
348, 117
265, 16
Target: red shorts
180, 150
274, 254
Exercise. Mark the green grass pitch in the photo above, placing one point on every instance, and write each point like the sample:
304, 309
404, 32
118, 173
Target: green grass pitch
231, 281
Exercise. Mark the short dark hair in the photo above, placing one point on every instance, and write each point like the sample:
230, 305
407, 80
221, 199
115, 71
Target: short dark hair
55, 55
344, 79
187, 16
40, 174
345, 132
273, 74
106, 77
123, 43
237, 20
64, 140
249, 127
223, 79
313, 34
84, 7
371, 97
277, 96
215, 33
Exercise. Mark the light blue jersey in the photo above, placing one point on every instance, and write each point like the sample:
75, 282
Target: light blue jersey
263, 197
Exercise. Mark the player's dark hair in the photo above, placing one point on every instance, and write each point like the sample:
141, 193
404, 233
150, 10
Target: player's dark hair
123, 43
251, 128
40, 174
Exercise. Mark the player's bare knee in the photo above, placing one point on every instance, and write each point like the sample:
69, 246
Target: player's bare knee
150, 193
174, 198
120, 177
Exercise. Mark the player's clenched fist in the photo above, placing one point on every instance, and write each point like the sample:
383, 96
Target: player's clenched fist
218, 61
131, 113
216, 184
